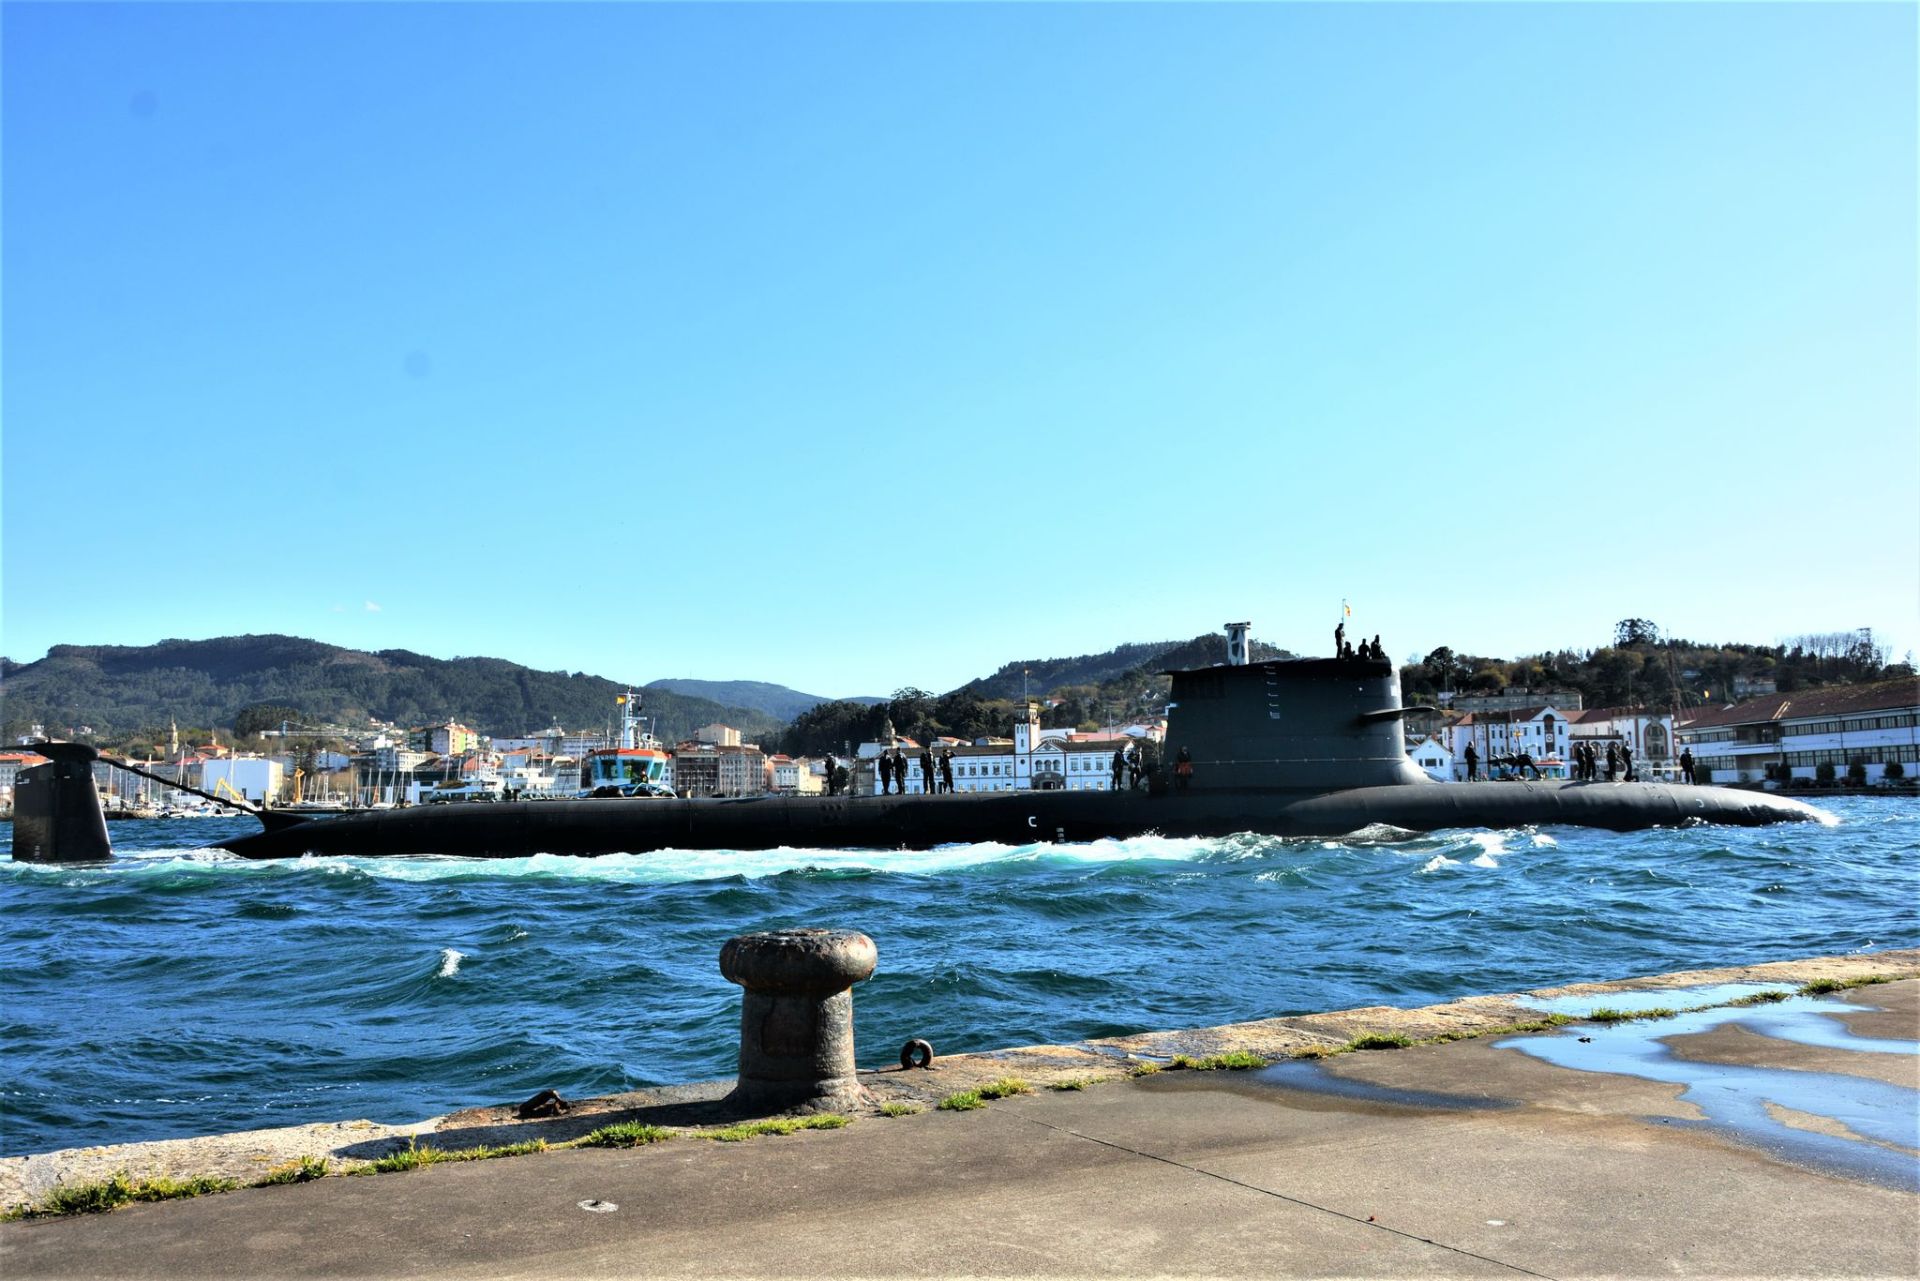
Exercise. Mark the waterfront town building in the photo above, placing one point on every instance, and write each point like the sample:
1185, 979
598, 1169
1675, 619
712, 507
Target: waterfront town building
11, 763
1045, 760
259, 779
1786, 737
718, 735
1541, 732
713, 769
449, 738
1648, 733
795, 775
1432, 755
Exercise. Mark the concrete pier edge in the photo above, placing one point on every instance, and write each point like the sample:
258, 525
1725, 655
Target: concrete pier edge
249, 1156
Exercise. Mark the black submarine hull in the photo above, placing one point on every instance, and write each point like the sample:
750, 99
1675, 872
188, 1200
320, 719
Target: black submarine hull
595, 827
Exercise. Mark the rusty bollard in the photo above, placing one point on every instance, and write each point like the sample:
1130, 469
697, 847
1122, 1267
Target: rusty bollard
796, 1017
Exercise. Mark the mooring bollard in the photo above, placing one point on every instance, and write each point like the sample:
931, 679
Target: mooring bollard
796, 1017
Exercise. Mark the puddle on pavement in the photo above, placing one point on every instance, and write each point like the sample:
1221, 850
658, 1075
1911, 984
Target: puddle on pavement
1734, 1098
1736, 1101
1665, 998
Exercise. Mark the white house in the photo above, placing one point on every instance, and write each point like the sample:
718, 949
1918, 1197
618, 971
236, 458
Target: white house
1431, 755
1647, 732
1046, 760
1540, 732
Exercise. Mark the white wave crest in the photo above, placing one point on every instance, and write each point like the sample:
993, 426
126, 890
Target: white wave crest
1437, 862
449, 962
1378, 834
681, 866
1492, 844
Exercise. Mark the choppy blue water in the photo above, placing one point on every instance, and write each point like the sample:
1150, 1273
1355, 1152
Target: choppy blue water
180, 991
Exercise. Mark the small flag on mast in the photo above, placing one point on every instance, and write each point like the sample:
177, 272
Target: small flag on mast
1346, 609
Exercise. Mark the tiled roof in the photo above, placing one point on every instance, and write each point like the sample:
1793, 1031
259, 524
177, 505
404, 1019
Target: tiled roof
1613, 713
1831, 700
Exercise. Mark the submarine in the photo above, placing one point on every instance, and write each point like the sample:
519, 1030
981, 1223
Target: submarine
1288, 747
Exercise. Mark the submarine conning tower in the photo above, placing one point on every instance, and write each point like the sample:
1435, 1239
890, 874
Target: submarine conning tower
56, 808
1306, 723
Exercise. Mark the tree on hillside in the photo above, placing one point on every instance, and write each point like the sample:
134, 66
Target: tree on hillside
1445, 667
833, 727
912, 711
264, 716
964, 714
1635, 631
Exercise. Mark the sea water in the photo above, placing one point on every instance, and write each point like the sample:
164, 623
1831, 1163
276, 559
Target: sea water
180, 991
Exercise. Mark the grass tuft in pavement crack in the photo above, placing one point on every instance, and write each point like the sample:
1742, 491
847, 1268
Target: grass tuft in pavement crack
304, 1170
778, 1125
627, 1134
1232, 1061
119, 1189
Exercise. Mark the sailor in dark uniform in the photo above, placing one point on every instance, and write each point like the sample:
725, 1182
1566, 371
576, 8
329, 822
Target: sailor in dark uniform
926, 770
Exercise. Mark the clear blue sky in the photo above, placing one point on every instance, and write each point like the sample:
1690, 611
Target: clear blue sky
852, 347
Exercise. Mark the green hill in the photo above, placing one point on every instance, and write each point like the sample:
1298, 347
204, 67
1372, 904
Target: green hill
1119, 664
777, 701
120, 690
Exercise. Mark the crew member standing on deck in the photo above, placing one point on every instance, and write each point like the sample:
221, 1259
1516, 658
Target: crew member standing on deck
946, 769
1119, 766
1182, 770
1340, 638
926, 770
833, 786
1473, 763
1613, 760
1686, 765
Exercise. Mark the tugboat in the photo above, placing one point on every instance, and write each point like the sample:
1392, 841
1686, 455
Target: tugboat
638, 767
1302, 747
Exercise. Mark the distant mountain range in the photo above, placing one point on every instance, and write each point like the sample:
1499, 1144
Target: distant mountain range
777, 701
119, 690
116, 691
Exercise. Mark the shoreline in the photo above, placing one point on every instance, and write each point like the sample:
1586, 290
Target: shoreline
353, 1145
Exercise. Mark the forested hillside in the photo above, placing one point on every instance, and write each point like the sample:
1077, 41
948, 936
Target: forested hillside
1643, 666
777, 701
125, 690
1125, 687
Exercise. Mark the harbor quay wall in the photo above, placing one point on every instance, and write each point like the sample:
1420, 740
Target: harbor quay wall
250, 1156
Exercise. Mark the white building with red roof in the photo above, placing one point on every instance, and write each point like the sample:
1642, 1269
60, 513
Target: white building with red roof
1789, 736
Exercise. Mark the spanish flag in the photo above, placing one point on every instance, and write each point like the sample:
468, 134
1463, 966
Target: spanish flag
1346, 609
620, 699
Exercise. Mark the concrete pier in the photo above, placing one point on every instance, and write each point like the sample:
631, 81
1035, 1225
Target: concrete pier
1474, 1157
